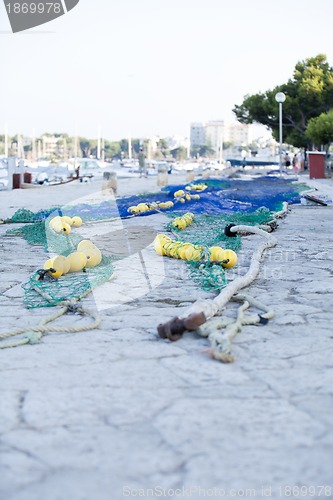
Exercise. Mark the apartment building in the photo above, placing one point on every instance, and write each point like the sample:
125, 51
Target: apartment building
213, 133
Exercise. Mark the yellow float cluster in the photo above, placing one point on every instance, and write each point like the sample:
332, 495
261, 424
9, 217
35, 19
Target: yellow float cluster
181, 196
165, 246
183, 221
87, 255
177, 249
228, 258
64, 224
179, 193
196, 187
148, 207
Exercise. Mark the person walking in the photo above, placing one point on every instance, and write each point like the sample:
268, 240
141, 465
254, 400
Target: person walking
295, 163
287, 160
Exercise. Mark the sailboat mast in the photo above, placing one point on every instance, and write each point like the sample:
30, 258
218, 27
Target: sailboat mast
99, 143
130, 147
6, 140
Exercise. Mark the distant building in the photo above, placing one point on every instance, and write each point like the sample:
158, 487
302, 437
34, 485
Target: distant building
198, 134
212, 133
237, 133
53, 146
215, 134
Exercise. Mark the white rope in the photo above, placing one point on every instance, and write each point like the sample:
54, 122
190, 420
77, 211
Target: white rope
33, 334
221, 342
211, 307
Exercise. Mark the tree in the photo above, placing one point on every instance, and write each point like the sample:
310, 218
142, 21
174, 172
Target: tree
163, 147
194, 152
227, 144
111, 150
179, 153
309, 93
124, 146
86, 146
320, 130
136, 144
206, 151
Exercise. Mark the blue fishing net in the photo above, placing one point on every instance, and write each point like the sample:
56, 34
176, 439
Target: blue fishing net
227, 196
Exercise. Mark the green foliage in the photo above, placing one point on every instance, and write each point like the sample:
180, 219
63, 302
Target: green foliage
111, 150
206, 151
86, 146
136, 146
308, 94
320, 129
163, 149
179, 153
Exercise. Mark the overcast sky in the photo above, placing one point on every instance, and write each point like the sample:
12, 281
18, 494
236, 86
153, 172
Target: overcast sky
146, 67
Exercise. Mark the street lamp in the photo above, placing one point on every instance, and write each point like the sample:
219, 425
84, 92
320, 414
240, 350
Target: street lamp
280, 98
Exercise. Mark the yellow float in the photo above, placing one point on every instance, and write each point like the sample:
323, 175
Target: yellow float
231, 256
216, 254
77, 261
84, 244
56, 263
76, 221
94, 256
67, 219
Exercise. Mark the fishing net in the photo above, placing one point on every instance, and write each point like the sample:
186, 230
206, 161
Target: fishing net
207, 231
44, 291
23, 215
215, 204
227, 195
40, 233
49, 292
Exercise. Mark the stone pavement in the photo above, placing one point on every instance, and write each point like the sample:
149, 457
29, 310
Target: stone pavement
112, 413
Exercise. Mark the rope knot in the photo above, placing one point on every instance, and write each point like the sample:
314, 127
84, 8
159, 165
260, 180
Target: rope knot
33, 337
72, 306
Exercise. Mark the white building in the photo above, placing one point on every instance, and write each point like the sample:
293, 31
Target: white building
53, 146
215, 134
212, 133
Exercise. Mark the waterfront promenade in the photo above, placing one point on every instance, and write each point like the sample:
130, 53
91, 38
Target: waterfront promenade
110, 413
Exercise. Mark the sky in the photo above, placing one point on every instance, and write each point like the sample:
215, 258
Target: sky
151, 67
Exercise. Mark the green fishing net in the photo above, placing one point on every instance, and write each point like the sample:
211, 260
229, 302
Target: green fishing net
40, 233
207, 231
49, 292
72, 285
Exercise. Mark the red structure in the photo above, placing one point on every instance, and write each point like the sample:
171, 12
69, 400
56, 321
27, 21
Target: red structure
27, 178
316, 164
16, 181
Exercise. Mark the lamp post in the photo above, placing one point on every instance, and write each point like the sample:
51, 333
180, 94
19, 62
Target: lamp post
280, 98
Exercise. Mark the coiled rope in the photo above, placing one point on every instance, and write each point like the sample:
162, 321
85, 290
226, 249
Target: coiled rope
202, 311
221, 342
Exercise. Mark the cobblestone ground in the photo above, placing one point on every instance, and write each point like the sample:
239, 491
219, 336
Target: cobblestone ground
110, 413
